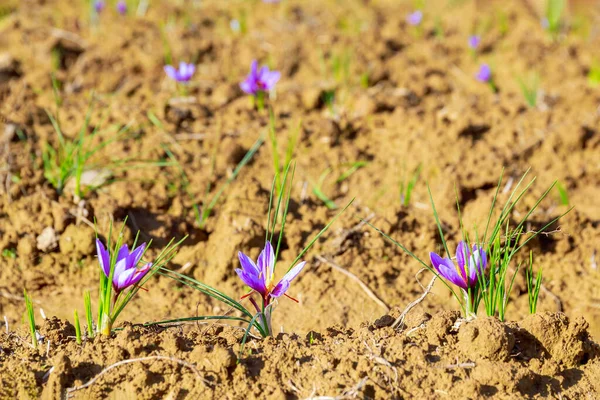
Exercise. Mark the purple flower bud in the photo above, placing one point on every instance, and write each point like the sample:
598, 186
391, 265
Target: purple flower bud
484, 74
259, 277
181, 75
261, 80
474, 41
415, 18
122, 7
99, 6
126, 273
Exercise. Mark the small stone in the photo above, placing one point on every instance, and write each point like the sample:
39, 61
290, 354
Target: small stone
47, 240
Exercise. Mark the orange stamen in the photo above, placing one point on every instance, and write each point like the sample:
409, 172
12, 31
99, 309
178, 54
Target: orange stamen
291, 298
246, 295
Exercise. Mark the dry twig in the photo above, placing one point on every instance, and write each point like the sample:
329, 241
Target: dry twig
355, 278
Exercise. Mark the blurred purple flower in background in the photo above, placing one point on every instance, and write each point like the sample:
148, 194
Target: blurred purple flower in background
181, 75
415, 18
261, 80
122, 7
474, 41
99, 6
484, 74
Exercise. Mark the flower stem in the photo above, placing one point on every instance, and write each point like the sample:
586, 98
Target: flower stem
470, 312
106, 327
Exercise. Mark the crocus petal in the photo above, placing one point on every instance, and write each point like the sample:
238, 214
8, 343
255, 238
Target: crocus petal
120, 269
246, 87
103, 257
171, 72
280, 288
262, 73
271, 79
450, 273
123, 253
266, 261
462, 255
124, 279
477, 264
292, 273
446, 268
191, 70
248, 265
252, 281
139, 274
253, 68
134, 258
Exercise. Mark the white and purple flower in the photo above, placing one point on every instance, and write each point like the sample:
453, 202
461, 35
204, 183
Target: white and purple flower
126, 273
471, 264
259, 80
260, 278
484, 74
181, 75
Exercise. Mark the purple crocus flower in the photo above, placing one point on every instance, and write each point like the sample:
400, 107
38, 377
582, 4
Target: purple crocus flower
259, 277
474, 41
99, 6
415, 18
484, 74
261, 80
181, 75
122, 7
126, 272
459, 275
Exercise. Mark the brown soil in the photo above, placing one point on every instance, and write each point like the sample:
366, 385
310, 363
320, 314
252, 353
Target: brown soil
423, 106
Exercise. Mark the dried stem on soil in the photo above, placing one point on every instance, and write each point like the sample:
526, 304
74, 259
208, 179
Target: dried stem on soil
355, 278
400, 320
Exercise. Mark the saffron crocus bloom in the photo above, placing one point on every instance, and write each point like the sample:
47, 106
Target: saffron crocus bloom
126, 272
181, 75
474, 41
122, 7
99, 6
415, 18
261, 80
484, 74
470, 265
259, 277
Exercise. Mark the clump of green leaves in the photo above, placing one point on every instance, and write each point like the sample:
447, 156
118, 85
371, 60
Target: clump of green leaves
501, 241
73, 157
